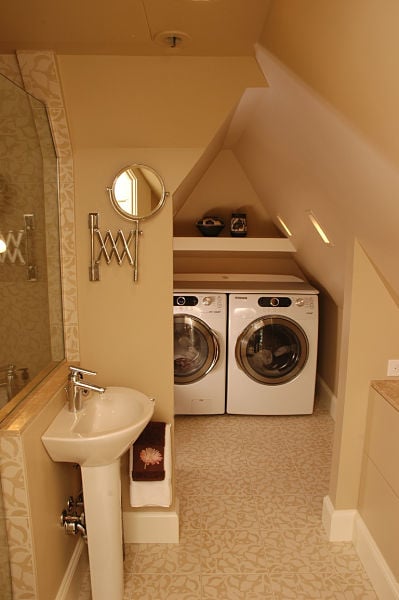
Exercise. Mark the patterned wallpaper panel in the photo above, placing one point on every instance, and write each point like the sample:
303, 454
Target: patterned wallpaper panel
40, 78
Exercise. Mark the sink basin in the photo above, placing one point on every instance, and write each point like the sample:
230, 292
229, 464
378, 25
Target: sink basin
95, 438
102, 431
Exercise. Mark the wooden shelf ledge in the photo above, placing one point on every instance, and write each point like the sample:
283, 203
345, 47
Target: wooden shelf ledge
232, 244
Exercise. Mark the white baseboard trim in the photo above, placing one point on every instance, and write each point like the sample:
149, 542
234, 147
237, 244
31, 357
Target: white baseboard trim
151, 526
64, 591
380, 575
338, 524
325, 396
348, 526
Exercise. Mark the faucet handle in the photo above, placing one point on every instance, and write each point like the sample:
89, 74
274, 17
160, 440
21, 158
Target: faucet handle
79, 371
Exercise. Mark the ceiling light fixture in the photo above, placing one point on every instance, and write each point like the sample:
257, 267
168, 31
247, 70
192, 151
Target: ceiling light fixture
172, 39
319, 228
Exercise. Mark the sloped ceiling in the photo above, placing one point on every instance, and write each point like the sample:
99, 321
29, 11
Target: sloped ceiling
348, 53
301, 154
334, 99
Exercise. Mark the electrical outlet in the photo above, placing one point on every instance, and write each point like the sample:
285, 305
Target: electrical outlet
393, 368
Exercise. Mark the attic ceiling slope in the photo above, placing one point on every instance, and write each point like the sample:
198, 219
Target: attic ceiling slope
348, 53
130, 27
299, 154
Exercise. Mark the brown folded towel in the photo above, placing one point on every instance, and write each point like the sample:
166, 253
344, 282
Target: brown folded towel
148, 453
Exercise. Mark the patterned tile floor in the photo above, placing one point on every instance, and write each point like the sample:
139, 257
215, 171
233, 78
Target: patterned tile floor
250, 491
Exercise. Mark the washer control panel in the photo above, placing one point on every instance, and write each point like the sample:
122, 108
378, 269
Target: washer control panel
185, 300
208, 303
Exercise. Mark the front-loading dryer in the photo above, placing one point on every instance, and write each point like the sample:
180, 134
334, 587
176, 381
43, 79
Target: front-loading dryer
200, 322
272, 341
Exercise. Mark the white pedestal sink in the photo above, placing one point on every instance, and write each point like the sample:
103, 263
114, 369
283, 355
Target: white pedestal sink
95, 438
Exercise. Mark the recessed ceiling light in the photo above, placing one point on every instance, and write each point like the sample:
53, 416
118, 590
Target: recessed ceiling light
319, 228
284, 226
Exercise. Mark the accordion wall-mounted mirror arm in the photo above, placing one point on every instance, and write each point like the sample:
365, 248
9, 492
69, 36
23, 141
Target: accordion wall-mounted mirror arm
137, 193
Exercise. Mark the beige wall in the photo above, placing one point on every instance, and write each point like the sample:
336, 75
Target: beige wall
125, 328
153, 102
369, 339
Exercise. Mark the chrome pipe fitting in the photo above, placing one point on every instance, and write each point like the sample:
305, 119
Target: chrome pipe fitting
72, 518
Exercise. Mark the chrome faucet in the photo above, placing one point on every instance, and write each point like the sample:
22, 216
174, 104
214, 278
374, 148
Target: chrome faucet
11, 376
75, 386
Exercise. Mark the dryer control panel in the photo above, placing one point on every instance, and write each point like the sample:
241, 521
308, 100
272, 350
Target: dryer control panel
306, 301
274, 301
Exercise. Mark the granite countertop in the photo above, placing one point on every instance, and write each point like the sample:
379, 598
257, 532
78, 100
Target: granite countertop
389, 389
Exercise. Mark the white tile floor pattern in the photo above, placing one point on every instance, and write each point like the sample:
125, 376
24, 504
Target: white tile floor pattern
250, 491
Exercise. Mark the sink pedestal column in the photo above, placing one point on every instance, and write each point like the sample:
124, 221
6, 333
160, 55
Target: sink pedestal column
103, 513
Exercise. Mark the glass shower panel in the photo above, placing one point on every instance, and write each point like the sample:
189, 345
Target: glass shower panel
31, 325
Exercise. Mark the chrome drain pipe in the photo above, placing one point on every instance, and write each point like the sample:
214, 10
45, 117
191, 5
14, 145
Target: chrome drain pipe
73, 517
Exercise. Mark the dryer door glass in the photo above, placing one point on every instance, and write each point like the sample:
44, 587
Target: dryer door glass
272, 350
196, 349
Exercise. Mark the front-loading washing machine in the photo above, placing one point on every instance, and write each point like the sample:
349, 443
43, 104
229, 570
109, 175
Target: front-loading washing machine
200, 322
272, 342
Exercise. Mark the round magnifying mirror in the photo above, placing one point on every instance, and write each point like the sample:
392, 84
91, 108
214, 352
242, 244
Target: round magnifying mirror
137, 192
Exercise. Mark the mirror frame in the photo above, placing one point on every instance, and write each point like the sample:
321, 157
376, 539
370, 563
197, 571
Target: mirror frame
125, 214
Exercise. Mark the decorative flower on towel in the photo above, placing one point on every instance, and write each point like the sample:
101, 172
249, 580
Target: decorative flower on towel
150, 456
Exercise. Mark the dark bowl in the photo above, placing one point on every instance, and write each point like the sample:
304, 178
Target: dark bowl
210, 230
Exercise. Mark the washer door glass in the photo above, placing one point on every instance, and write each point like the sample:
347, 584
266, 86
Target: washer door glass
196, 349
272, 350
